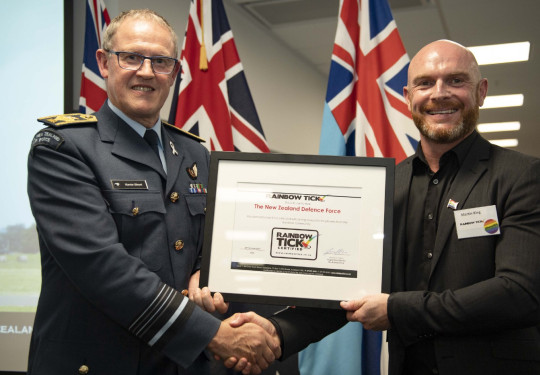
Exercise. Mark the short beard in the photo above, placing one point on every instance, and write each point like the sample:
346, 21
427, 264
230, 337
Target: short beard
444, 136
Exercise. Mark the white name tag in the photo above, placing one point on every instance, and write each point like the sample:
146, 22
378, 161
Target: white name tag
477, 222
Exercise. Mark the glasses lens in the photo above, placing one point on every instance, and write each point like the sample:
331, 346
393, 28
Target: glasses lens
134, 61
130, 61
163, 65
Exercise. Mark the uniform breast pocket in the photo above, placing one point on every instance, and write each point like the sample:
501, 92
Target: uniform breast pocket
194, 219
196, 204
139, 218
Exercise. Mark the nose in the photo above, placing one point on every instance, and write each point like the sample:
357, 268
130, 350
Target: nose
440, 90
146, 69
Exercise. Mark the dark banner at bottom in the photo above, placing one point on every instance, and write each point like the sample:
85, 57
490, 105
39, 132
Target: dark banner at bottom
292, 269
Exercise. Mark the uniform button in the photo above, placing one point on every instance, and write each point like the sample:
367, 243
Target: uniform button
205, 210
135, 211
184, 292
429, 255
83, 370
430, 216
435, 181
179, 245
174, 197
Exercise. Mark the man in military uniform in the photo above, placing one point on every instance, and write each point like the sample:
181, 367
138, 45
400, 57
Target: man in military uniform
120, 226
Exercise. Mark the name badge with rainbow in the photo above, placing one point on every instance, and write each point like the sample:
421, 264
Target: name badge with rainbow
477, 222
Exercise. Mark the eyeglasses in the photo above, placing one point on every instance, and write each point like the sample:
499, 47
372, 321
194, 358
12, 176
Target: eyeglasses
134, 61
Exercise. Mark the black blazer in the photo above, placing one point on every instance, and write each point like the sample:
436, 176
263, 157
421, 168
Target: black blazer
482, 307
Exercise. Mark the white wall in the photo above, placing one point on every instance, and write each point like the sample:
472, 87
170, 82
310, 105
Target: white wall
288, 92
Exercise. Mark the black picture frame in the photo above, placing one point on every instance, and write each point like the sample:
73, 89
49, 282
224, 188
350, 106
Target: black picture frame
219, 267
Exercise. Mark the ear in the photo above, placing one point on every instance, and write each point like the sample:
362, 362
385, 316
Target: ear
482, 91
103, 62
406, 95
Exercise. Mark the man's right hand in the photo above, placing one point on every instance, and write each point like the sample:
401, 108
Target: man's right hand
250, 342
237, 320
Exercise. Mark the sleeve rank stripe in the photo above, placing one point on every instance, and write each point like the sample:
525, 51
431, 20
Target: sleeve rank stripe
177, 314
167, 312
175, 310
177, 325
154, 315
150, 309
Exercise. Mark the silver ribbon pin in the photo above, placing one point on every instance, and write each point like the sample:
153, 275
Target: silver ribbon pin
173, 148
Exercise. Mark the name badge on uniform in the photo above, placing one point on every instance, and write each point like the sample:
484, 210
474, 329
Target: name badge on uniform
129, 184
477, 222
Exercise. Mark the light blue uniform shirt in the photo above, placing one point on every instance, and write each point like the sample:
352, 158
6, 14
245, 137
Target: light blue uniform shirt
140, 129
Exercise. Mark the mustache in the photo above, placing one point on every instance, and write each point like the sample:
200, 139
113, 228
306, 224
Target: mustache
441, 106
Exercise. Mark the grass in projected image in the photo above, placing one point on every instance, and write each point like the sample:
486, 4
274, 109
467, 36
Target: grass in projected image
20, 270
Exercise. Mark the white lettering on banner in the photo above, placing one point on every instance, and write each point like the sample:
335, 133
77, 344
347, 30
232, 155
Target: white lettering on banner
24, 330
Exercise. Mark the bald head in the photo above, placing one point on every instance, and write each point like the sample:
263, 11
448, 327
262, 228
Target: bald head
444, 92
440, 52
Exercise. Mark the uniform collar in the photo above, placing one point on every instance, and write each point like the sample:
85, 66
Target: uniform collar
140, 129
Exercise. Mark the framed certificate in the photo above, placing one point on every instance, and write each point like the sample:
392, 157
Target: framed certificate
301, 230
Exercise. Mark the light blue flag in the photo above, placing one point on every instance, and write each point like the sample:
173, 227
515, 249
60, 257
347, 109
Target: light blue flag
365, 114
321, 358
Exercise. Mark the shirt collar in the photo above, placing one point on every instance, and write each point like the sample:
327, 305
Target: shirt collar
460, 150
140, 129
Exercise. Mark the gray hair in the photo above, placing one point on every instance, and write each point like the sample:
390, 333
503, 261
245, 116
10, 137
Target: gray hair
145, 14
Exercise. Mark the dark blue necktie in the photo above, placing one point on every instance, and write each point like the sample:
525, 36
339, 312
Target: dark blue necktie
151, 137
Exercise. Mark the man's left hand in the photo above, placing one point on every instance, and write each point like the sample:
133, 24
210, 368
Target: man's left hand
203, 297
371, 311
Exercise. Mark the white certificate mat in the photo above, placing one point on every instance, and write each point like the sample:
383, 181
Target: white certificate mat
300, 230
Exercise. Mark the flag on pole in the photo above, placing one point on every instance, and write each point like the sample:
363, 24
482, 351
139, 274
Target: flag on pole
93, 91
213, 98
365, 114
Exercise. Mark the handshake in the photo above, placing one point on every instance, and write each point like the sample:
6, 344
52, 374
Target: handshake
245, 341
250, 343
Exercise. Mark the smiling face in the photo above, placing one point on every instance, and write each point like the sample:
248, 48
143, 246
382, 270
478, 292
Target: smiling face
444, 92
139, 94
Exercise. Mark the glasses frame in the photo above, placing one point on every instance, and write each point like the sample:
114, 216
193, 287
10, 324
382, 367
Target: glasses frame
151, 58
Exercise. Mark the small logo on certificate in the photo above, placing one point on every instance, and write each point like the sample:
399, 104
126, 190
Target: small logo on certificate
294, 243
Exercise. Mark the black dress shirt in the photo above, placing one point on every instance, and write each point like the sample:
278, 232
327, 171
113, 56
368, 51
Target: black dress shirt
428, 196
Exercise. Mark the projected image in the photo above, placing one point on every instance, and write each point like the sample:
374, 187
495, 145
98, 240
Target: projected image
35, 90
20, 276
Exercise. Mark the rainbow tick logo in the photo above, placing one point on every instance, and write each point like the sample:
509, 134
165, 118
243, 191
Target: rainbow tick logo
306, 242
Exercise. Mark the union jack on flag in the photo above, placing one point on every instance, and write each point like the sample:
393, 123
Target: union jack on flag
365, 113
213, 98
93, 91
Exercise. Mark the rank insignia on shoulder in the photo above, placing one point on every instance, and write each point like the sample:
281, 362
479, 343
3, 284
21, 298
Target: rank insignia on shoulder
68, 119
190, 135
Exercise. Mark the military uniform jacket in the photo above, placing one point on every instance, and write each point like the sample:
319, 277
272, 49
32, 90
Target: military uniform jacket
119, 239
